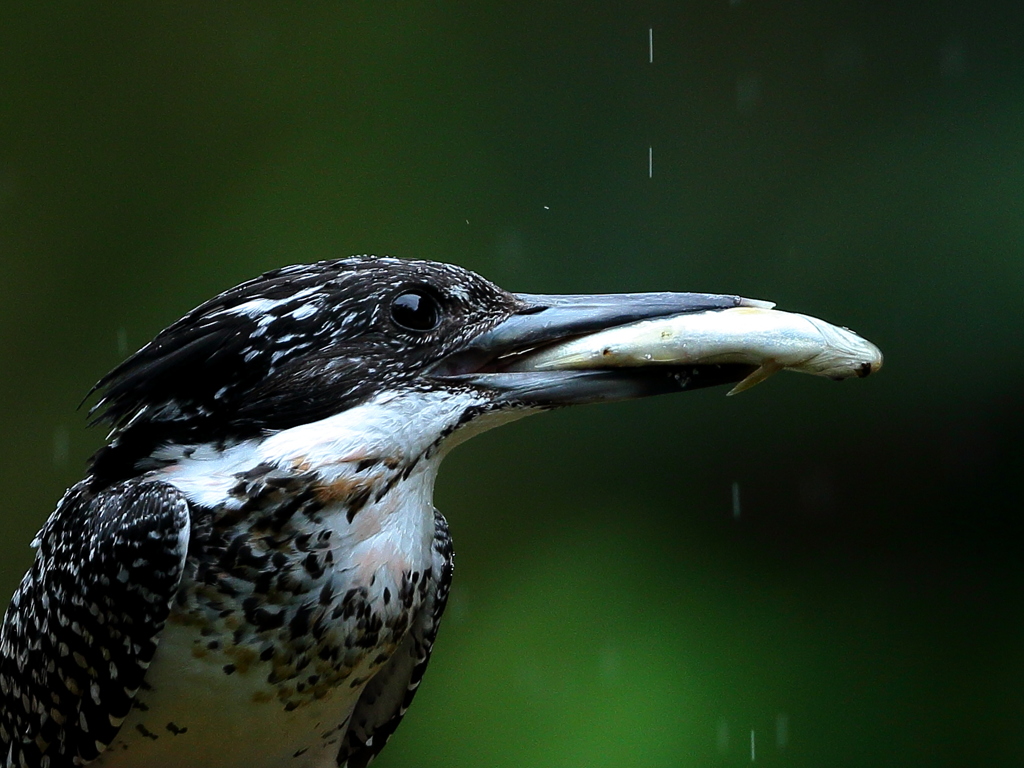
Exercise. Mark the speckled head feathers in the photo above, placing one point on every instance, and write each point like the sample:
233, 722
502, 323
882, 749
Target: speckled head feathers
291, 346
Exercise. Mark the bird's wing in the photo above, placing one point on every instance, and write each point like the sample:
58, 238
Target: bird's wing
388, 694
83, 626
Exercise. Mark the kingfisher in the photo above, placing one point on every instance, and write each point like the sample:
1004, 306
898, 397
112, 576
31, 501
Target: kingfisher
252, 572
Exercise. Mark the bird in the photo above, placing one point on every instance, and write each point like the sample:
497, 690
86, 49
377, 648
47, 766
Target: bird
252, 571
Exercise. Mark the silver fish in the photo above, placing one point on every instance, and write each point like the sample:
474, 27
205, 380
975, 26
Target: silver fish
769, 338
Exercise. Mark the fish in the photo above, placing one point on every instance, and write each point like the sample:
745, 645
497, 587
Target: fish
754, 334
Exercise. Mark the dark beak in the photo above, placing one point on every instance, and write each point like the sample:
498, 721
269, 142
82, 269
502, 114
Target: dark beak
544, 320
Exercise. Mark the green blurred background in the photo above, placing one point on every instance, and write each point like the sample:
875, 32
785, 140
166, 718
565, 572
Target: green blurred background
860, 161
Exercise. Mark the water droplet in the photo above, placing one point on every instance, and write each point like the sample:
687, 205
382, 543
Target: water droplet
61, 446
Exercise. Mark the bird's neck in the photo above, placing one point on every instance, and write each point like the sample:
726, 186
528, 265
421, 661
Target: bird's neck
311, 549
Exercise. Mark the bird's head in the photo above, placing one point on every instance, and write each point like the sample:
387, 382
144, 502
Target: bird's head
306, 342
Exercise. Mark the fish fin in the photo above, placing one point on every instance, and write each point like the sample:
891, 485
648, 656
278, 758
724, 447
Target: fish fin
768, 369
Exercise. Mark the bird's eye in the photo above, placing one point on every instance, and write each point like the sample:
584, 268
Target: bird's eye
416, 311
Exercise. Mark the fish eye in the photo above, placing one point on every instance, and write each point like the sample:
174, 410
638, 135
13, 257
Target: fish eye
416, 310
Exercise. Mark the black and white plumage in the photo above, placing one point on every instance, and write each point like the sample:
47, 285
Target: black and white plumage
253, 573
84, 625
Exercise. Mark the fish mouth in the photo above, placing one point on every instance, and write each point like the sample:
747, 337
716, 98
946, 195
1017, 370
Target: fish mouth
498, 361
